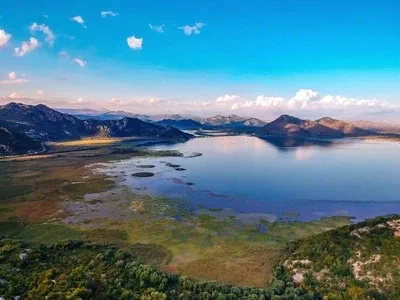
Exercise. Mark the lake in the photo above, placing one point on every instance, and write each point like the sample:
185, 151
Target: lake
238, 175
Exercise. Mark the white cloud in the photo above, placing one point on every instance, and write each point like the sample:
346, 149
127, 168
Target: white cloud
80, 62
312, 100
115, 101
81, 100
134, 43
104, 14
79, 20
269, 102
50, 37
40, 92
159, 29
334, 102
16, 95
303, 99
26, 47
261, 101
248, 104
64, 54
13, 79
195, 29
46, 16
235, 106
4, 38
227, 98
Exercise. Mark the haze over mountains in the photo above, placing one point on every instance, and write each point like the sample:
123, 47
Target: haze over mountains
25, 127
217, 120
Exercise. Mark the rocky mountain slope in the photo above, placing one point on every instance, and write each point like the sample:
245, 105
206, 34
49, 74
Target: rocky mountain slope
288, 126
381, 128
12, 142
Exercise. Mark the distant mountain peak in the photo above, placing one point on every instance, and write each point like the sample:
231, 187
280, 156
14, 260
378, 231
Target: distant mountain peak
288, 118
327, 119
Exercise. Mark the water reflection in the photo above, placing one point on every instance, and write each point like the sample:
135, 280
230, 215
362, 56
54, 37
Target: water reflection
239, 175
284, 144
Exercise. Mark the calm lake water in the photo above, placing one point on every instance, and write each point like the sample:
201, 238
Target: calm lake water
250, 175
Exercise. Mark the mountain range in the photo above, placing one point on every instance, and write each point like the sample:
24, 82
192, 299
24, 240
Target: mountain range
24, 127
288, 126
218, 120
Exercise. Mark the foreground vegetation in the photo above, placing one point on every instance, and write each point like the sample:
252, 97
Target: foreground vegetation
353, 262
77, 270
360, 261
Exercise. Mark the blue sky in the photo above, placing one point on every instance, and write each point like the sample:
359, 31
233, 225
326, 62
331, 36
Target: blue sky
307, 58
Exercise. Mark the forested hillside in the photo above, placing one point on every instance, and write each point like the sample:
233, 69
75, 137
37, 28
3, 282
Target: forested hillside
360, 261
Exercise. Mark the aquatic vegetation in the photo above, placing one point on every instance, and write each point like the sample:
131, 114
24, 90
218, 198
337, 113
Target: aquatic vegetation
145, 166
172, 165
143, 174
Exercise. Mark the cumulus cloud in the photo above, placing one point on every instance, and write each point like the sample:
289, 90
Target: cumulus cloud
16, 95
159, 29
80, 62
269, 102
195, 29
235, 106
105, 14
261, 101
4, 38
50, 37
312, 100
78, 19
227, 98
134, 43
13, 79
40, 92
303, 99
26, 47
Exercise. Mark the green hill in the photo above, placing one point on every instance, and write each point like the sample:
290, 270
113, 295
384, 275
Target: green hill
351, 262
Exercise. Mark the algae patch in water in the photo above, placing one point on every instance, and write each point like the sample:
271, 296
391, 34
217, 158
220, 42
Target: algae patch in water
143, 174
172, 165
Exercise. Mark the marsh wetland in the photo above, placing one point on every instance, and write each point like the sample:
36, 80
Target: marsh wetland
218, 208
